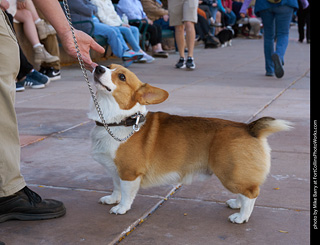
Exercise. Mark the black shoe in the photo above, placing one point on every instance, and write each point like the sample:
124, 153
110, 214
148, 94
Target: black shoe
278, 69
50, 72
181, 64
28, 205
190, 63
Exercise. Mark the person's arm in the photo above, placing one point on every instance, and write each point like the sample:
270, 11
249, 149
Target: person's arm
4, 4
82, 7
127, 8
52, 10
244, 8
220, 7
304, 3
153, 8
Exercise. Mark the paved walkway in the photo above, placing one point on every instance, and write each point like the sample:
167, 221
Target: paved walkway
227, 83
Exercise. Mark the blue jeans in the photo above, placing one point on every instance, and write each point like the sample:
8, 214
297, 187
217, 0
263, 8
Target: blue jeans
276, 24
213, 12
115, 38
131, 35
230, 18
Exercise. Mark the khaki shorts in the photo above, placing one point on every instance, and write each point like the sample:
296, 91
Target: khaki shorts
181, 11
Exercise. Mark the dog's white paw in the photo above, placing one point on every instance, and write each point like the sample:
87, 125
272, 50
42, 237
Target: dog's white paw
238, 218
119, 209
112, 199
234, 204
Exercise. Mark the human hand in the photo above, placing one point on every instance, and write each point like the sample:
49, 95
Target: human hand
4, 5
85, 43
21, 4
165, 17
242, 15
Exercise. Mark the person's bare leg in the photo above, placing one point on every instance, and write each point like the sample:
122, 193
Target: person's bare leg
30, 6
24, 16
218, 20
190, 37
179, 30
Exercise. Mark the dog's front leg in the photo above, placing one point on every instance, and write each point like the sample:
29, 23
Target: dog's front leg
115, 197
129, 191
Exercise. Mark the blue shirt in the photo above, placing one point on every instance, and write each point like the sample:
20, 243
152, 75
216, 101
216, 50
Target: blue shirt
131, 8
264, 4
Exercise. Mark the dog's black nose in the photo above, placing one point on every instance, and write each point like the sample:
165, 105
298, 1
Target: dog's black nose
99, 70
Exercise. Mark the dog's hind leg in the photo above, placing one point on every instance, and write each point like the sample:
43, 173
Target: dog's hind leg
234, 203
246, 208
129, 191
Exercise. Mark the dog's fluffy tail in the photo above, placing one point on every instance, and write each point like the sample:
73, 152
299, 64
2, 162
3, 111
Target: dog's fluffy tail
265, 126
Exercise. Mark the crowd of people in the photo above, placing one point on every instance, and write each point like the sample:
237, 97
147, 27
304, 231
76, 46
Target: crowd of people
122, 22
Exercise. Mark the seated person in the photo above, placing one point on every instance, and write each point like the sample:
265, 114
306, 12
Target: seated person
225, 8
134, 10
33, 27
250, 20
52, 69
202, 30
156, 13
27, 76
107, 15
81, 10
211, 6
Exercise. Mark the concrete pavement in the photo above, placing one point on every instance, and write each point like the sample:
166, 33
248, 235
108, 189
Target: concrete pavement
228, 83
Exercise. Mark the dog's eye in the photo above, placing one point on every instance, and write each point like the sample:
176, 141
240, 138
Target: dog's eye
122, 77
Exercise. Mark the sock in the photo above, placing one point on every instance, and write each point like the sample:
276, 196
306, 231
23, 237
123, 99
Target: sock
37, 45
37, 21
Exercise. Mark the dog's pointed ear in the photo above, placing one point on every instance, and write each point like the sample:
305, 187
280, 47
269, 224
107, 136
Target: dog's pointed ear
148, 94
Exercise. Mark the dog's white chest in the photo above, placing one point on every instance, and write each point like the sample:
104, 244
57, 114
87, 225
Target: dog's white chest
104, 147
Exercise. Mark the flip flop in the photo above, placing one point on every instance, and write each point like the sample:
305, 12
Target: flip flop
161, 54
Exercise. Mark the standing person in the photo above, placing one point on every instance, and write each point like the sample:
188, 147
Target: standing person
276, 17
304, 19
183, 15
17, 201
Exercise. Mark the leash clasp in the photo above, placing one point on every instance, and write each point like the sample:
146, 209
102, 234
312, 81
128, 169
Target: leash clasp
136, 116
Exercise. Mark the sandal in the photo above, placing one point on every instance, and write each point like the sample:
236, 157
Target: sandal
161, 54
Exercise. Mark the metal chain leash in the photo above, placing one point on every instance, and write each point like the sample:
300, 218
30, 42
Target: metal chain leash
84, 72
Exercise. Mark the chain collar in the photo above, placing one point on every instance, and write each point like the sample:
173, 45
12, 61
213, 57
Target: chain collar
133, 121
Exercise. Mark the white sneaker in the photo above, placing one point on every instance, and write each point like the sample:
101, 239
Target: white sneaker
148, 58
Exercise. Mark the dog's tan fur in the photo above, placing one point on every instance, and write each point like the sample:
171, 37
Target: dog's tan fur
174, 148
189, 145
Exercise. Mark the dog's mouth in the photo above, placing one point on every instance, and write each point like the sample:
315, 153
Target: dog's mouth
97, 80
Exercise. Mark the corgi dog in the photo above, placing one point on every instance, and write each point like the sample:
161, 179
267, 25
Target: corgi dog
171, 149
